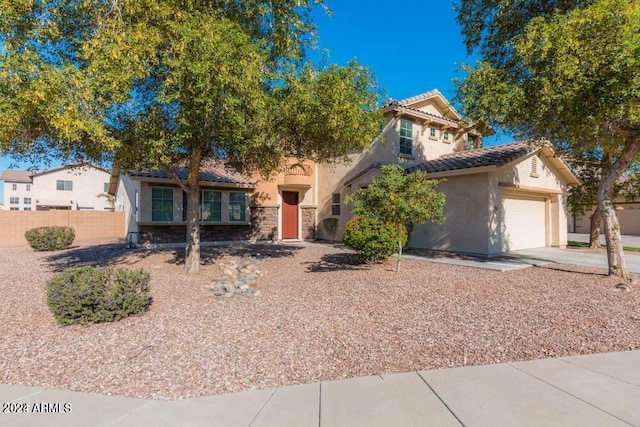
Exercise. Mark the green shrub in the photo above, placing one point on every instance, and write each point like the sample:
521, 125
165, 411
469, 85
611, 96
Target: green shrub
373, 240
50, 238
93, 295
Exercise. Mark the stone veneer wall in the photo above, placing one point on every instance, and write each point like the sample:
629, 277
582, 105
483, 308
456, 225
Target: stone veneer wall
308, 223
264, 226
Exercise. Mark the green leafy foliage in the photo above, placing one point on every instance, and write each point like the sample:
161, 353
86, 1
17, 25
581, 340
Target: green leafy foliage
166, 84
401, 200
93, 295
373, 240
54, 238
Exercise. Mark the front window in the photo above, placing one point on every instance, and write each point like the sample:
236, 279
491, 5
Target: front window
433, 133
211, 206
27, 209
14, 200
14, 187
64, 185
406, 137
106, 187
237, 207
13, 208
27, 200
446, 136
162, 204
28, 187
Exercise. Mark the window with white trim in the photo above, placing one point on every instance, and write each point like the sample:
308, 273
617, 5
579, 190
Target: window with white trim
406, 137
433, 133
14, 187
62, 185
13, 208
14, 200
445, 136
106, 187
335, 204
26, 200
26, 209
28, 187
237, 206
161, 204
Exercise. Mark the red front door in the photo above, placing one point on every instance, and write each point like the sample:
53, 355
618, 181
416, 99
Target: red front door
289, 215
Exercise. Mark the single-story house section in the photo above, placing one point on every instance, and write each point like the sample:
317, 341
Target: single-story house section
232, 207
499, 199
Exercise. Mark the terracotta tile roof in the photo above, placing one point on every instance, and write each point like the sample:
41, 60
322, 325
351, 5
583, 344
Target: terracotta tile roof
210, 171
16, 175
491, 156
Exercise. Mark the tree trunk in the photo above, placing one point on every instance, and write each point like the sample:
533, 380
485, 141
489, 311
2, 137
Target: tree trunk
192, 250
399, 252
594, 232
615, 253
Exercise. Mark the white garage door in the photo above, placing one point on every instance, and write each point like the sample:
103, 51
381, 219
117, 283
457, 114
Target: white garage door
524, 224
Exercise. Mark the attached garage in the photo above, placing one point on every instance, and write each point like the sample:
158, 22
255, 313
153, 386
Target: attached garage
525, 223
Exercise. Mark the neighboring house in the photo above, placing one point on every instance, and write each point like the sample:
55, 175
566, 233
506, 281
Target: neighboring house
628, 212
71, 187
498, 199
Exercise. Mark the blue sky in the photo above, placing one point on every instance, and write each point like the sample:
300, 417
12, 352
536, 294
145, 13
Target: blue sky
412, 46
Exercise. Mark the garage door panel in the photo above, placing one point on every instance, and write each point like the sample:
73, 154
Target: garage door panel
524, 223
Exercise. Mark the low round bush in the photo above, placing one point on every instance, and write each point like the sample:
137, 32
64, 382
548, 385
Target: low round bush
93, 295
374, 241
50, 238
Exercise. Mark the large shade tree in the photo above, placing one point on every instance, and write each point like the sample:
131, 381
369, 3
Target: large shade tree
169, 84
564, 70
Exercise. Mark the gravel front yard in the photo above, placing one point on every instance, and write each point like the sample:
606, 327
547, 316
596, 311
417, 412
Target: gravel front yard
319, 317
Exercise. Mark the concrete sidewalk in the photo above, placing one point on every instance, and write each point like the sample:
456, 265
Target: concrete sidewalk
593, 390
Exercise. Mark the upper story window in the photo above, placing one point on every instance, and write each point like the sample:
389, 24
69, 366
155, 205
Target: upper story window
406, 137
14, 187
335, 204
28, 187
446, 137
433, 133
14, 200
26, 201
470, 143
64, 185
211, 206
106, 187
161, 204
237, 206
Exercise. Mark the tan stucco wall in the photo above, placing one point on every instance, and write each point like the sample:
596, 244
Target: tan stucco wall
466, 212
628, 217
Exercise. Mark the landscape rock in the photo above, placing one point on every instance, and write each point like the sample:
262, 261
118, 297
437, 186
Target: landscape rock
237, 280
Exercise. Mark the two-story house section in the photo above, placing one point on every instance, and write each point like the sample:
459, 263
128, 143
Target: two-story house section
18, 191
417, 129
71, 187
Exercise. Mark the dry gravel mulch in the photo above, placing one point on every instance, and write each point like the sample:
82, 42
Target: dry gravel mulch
319, 317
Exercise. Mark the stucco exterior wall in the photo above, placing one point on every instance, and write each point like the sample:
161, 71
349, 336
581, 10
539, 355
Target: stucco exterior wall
628, 216
127, 200
21, 193
88, 183
467, 214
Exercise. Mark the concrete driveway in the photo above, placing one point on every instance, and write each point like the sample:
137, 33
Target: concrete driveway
571, 256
